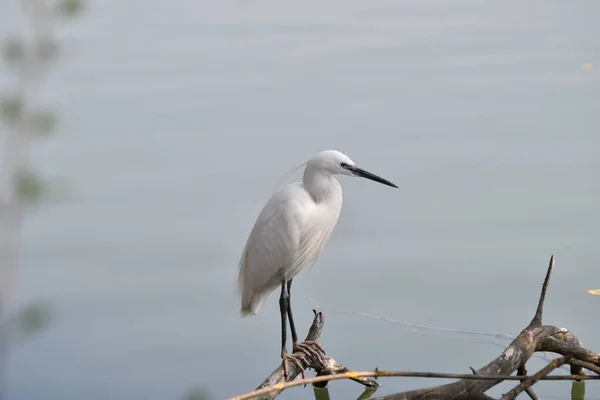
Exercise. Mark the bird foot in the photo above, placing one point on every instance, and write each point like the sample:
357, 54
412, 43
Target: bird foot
303, 352
306, 349
298, 359
313, 343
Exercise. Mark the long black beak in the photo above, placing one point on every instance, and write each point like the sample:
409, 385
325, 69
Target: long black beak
366, 174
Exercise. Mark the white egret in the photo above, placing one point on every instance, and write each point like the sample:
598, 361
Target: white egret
290, 232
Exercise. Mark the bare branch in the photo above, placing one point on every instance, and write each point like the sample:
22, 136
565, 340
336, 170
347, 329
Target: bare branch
522, 371
526, 384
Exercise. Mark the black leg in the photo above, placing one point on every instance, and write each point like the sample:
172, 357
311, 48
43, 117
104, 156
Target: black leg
289, 312
283, 307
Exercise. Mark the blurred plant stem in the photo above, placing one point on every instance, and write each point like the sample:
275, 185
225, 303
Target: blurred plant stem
28, 59
578, 390
197, 394
321, 393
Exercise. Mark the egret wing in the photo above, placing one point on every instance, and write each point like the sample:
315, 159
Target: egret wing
270, 248
312, 240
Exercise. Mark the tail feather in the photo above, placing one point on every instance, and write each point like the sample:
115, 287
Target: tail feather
246, 312
252, 306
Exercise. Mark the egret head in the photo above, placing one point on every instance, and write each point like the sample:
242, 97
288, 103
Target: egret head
337, 163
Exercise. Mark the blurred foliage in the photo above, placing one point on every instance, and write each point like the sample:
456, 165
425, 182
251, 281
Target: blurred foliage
13, 51
43, 122
32, 190
33, 319
29, 57
28, 321
29, 187
69, 8
11, 109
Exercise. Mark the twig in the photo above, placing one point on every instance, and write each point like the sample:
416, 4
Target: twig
379, 373
522, 371
530, 381
537, 319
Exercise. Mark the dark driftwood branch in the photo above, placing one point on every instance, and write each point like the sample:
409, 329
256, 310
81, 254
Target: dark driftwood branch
536, 337
586, 365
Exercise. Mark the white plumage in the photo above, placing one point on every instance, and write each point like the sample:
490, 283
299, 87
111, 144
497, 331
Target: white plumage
293, 227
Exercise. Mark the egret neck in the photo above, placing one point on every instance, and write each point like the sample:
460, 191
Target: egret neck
321, 185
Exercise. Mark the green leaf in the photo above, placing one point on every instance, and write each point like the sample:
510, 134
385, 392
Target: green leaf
44, 122
12, 109
13, 51
70, 8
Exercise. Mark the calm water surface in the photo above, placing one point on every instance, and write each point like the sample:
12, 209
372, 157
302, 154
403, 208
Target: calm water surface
180, 117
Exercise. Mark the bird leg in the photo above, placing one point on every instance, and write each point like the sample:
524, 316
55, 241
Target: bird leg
300, 347
299, 360
289, 311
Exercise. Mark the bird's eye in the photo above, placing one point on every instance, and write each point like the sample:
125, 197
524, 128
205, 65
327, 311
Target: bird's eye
343, 165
